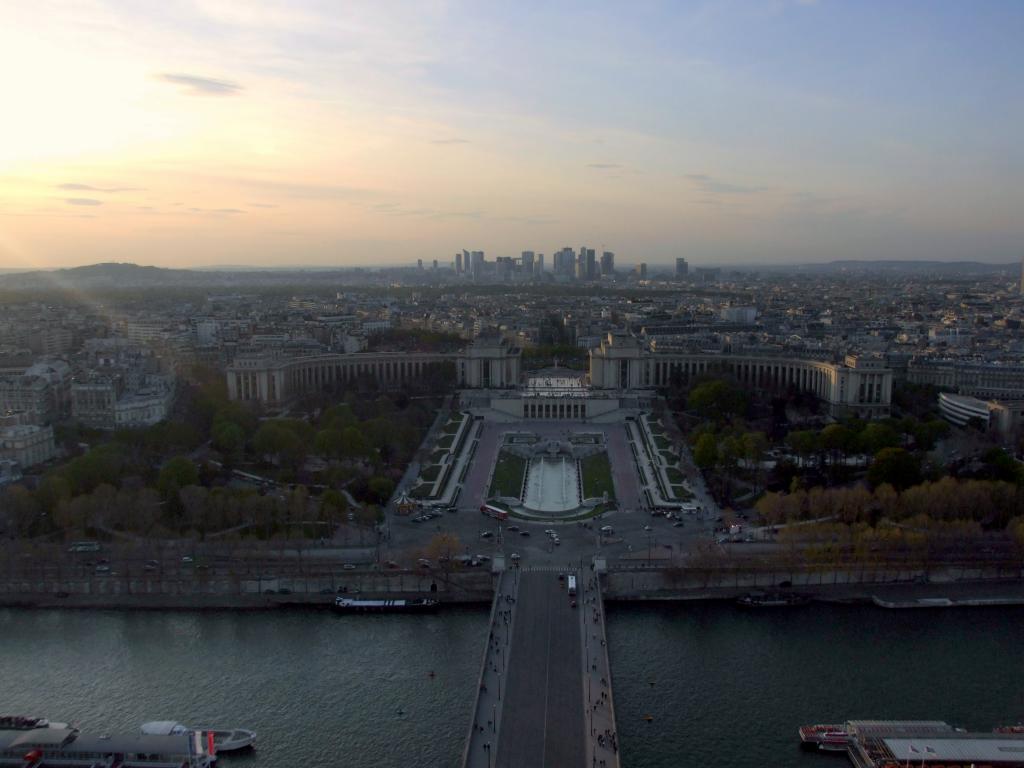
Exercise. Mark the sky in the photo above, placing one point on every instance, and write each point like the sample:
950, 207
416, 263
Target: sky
212, 132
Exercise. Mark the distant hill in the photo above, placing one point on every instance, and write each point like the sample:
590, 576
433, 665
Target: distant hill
944, 268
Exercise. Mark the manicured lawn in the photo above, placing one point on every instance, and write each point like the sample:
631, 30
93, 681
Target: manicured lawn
445, 441
453, 426
674, 475
430, 473
662, 442
681, 493
508, 475
597, 476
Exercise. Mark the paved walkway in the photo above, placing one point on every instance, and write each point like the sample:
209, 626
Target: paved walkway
482, 745
602, 737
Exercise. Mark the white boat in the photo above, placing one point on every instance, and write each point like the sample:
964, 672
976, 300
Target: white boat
224, 740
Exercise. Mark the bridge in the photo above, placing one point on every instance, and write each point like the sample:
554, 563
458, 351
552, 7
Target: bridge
545, 695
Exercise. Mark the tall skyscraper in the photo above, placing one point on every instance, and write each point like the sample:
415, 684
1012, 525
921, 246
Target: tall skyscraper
641, 270
589, 258
682, 268
564, 262
1022, 276
477, 264
607, 264
539, 264
419, 263
526, 260
458, 263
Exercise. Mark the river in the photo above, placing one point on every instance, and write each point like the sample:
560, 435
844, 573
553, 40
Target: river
725, 687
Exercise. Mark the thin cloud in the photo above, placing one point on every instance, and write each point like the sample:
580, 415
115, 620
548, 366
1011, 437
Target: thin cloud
91, 188
262, 205
216, 210
451, 141
713, 186
83, 201
201, 86
604, 166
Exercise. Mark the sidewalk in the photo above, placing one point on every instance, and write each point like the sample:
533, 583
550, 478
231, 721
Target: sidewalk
482, 744
602, 738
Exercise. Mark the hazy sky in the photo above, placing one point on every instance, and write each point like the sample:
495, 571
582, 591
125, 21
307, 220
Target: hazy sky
215, 132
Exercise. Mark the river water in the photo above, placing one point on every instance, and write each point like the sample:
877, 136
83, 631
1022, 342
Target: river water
725, 687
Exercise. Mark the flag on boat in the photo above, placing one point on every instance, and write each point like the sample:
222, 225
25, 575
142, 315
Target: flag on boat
915, 750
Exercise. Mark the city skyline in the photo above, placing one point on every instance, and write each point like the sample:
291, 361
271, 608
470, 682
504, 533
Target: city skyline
218, 133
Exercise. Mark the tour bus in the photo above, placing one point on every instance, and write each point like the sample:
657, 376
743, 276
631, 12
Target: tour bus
495, 512
572, 586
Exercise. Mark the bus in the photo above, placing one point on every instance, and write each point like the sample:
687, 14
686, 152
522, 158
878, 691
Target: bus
572, 586
496, 512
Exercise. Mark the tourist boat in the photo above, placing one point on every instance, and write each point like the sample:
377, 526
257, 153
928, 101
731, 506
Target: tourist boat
23, 723
835, 737
224, 740
416, 605
1010, 729
770, 600
70, 748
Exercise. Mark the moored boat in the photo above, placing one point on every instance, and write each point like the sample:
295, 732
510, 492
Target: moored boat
416, 605
70, 748
24, 723
771, 600
813, 736
223, 739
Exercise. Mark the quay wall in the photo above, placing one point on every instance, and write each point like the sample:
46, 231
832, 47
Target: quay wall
887, 588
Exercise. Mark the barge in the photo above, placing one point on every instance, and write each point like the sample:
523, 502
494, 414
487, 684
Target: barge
921, 743
416, 605
49, 747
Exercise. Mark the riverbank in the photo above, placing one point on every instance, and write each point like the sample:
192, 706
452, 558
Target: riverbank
477, 589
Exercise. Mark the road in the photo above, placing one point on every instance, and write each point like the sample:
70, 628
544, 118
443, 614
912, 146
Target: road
543, 722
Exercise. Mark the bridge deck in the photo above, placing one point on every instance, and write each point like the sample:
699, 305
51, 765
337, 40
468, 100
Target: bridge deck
545, 686
543, 720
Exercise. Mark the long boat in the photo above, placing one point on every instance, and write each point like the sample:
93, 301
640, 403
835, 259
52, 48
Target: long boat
49, 747
771, 600
416, 605
25, 723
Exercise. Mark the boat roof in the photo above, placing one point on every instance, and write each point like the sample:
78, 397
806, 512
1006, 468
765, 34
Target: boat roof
161, 727
974, 749
37, 737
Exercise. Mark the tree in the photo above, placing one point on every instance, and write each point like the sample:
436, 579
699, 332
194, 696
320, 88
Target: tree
806, 443
928, 433
175, 475
228, 438
705, 452
877, 436
895, 466
379, 489
717, 400
838, 441
442, 548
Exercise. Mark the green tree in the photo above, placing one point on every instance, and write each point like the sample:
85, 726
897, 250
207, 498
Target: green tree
717, 400
895, 466
176, 474
705, 452
379, 489
877, 436
228, 438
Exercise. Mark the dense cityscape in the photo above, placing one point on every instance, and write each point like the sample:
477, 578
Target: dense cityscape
530, 385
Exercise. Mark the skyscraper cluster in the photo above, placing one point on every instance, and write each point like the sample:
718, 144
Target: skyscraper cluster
566, 265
